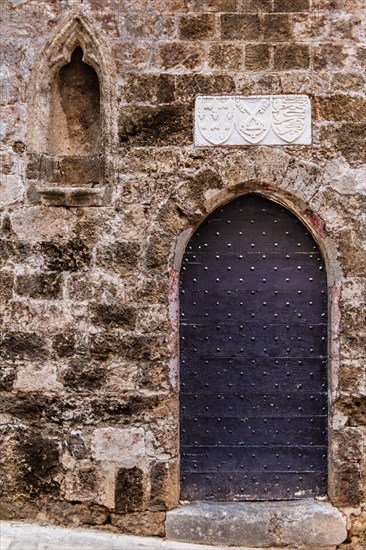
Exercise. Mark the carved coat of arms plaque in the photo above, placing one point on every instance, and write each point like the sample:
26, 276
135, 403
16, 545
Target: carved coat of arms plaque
216, 119
253, 120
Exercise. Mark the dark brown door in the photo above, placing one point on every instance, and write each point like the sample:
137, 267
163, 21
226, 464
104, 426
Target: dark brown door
253, 357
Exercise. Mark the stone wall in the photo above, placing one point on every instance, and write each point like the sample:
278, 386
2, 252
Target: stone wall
88, 293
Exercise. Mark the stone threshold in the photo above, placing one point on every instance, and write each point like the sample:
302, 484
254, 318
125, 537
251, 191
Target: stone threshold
306, 523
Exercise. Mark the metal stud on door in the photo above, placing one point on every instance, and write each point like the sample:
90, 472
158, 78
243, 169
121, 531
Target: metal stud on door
253, 356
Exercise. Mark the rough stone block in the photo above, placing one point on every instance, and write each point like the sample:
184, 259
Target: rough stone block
6, 285
153, 318
353, 263
141, 25
158, 252
121, 376
148, 87
123, 445
291, 57
172, 218
212, 5
255, 6
129, 495
151, 161
240, 26
145, 524
40, 223
71, 256
179, 55
190, 85
154, 126
89, 513
105, 486
276, 27
340, 108
7, 377
39, 459
346, 488
114, 315
347, 445
348, 81
329, 56
197, 27
257, 57
308, 172
11, 190
131, 56
167, 5
155, 377
225, 56
46, 286
352, 376
351, 143
163, 439
291, 5
141, 347
64, 343
83, 375
32, 379
79, 483
119, 256
164, 485
101, 287
355, 408
23, 345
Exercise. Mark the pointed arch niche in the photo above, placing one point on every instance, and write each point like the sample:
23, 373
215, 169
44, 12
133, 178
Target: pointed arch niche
71, 133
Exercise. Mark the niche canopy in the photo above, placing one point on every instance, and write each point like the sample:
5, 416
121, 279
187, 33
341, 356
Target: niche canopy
71, 135
253, 120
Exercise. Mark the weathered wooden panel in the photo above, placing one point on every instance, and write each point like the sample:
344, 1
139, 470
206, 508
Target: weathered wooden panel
253, 351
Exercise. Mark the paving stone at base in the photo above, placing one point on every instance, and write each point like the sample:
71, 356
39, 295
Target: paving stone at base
31, 536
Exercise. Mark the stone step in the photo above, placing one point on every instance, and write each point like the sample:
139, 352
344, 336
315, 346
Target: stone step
303, 523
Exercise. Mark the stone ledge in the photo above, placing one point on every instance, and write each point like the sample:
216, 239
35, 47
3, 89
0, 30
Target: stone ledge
71, 196
302, 523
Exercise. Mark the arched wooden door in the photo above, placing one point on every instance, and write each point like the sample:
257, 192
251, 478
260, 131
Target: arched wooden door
253, 357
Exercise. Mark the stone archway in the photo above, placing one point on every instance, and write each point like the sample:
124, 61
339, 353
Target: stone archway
276, 522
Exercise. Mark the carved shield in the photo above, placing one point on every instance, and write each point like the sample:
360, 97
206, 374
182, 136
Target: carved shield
289, 117
215, 118
253, 118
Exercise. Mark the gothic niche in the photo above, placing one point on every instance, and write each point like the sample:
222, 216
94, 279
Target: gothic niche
71, 129
74, 166
68, 159
75, 115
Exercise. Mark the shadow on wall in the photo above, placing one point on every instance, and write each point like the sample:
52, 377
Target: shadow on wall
74, 127
75, 109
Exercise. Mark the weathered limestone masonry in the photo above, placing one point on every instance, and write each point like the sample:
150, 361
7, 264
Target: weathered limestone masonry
98, 202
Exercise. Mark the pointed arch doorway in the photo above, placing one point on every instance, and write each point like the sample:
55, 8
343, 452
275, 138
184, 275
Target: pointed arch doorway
253, 357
